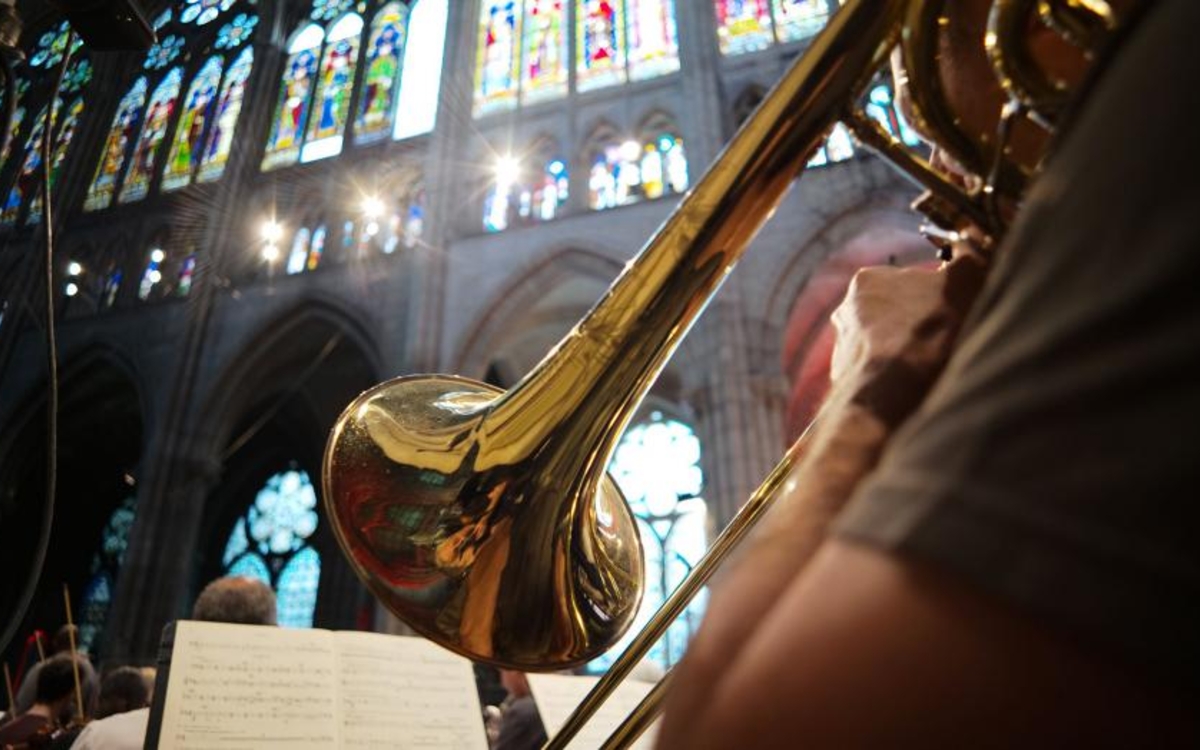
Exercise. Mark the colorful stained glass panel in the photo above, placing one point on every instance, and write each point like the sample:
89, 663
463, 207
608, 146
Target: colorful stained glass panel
27, 178
497, 69
201, 12
799, 19
291, 111
187, 146
116, 146
385, 50
653, 39
140, 169
331, 103
743, 26
599, 43
225, 120
544, 53
66, 121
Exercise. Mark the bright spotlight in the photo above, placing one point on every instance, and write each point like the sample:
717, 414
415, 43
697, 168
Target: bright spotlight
372, 207
157, 255
155, 276
74, 269
270, 253
271, 231
72, 289
631, 150
508, 169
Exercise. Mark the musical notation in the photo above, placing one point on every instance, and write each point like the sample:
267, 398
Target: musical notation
557, 696
406, 693
235, 687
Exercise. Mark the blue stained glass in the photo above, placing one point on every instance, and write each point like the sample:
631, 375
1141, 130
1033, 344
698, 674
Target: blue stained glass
237, 32
106, 565
51, 45
201, 12
251, 566
296, 593
163, 19
78, 75
164, 52
270, 541
327, 10
657, 466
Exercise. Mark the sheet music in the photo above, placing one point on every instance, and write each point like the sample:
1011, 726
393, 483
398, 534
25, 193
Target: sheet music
243, 687
398, 692
558, 695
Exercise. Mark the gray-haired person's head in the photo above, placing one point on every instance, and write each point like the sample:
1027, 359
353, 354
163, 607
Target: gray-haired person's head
237, 599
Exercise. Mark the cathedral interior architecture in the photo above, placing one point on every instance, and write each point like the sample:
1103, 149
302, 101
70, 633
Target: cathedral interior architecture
282, 204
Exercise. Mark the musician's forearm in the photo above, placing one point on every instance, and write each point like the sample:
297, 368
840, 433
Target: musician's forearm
844, 447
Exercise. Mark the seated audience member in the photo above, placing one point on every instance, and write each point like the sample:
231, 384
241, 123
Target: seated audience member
122, 714
521, 726
236, 599
61, 644
52, 703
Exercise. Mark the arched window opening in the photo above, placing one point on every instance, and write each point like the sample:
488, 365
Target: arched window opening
229, 108
497, 69
418, 98
523, 49
187, 146
106, 565
657, 466
141, 166
116, 147
627, 172
291, 111
32, 94
298, 255
385, 52
544, 51
331, 100
752, 25
527, 190
270, 541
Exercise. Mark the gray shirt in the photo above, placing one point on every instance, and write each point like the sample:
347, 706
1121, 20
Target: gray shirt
1056, 464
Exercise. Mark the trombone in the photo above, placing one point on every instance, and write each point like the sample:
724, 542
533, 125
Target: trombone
485, 520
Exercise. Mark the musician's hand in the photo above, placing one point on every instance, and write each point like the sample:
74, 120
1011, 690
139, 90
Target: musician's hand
895, 330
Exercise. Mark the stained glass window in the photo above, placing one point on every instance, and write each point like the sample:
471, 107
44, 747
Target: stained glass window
229, 106
140, 169
66, 123
27, 178
881, 105
385, 50
14, 128
152, 273
653, 38
237, 32
48, 52
164, 52
599, 43
106, 565
519, 194
799, 19
331, 102
327, 10
116, 146
416, 110
186, 271
743, 25
628, 172
198, 107
270, 541
291, 112
544, 53
839, 146
201, 12
316, 247
497, 69
298, 256
112, 285
657, 466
